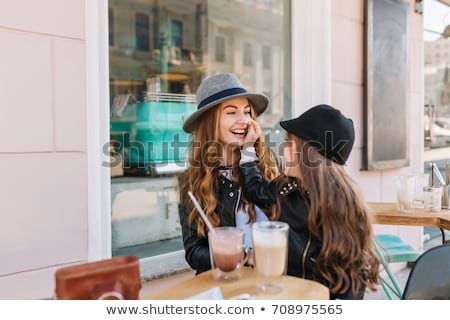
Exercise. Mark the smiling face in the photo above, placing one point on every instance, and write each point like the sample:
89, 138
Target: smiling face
235, 115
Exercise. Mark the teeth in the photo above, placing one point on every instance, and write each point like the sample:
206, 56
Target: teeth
239, 131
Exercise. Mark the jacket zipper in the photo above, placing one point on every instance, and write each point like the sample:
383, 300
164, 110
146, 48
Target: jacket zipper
305, 253
237, 205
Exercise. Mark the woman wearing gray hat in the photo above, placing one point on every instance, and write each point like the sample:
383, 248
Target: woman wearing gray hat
219, 127
330, 230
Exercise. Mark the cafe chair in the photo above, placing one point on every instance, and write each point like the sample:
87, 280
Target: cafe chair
391, 249
429, 278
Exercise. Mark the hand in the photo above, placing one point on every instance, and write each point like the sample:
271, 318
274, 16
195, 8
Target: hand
253, 133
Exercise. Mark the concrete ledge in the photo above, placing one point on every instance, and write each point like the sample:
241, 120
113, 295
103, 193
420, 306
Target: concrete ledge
163, 266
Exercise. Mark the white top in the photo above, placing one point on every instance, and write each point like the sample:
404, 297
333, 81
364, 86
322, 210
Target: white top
241, 222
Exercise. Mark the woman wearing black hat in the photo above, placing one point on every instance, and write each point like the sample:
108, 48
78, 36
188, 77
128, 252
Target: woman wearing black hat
330, 223
219, 127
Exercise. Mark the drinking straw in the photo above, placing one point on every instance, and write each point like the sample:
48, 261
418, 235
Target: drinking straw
432, 174
202, 213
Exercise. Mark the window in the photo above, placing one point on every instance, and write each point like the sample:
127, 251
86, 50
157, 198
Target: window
248, 55
176, 33
220, 49
111, 26
437, 80
152, 88
266, 56
265, 3
142, 32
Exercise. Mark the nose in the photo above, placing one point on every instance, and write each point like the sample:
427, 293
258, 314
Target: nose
243, 117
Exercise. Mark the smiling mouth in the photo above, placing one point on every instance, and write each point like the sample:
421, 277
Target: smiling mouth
241, 133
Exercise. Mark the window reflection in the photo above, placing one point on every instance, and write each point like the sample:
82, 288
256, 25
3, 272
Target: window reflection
437, 82
159, 53
142, 29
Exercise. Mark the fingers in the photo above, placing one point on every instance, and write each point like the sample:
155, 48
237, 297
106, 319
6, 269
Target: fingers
257, 128
253, 132
254, 126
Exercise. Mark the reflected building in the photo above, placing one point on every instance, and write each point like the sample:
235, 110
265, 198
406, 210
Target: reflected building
181, 42
437, 92
437, 63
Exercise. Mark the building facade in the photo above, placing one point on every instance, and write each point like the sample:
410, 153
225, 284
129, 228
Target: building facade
61, 77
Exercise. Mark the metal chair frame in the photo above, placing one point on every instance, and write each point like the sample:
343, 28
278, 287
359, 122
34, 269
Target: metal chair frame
391, 248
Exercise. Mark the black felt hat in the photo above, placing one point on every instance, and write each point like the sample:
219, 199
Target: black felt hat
326, 129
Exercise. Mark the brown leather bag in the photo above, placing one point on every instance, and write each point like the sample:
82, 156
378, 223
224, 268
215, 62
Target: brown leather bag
117, 278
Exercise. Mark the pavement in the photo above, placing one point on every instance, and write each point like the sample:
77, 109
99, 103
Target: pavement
379, 294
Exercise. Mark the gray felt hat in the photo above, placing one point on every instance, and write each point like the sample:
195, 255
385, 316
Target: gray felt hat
217, 89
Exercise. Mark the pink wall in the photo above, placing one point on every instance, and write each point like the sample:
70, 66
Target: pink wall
43, 160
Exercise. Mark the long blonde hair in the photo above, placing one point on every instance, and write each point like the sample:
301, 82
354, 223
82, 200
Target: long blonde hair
201, 175
340, 217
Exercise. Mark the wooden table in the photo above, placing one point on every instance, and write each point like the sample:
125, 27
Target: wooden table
387, 213
293, 288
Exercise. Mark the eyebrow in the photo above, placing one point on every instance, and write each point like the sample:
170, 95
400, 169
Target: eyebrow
235, 107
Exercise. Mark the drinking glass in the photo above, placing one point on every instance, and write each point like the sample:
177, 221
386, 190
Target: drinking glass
228, 252
406, 189
421, 182
270, 245
433, 198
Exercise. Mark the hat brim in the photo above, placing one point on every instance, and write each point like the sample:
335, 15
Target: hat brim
289, 125
259, 102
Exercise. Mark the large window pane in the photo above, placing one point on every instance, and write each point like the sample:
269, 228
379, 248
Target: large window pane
160, 51
437, 78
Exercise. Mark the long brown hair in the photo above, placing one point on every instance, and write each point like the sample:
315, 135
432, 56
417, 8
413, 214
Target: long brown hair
201, 175
340, 217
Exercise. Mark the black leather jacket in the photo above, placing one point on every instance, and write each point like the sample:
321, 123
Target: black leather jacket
196, 247
303, 246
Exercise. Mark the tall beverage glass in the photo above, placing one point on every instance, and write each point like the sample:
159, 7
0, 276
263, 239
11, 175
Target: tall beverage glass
422, 181
270, 243
406, 190
228, 252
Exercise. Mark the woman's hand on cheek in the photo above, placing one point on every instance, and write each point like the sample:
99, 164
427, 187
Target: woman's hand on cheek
253, 133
